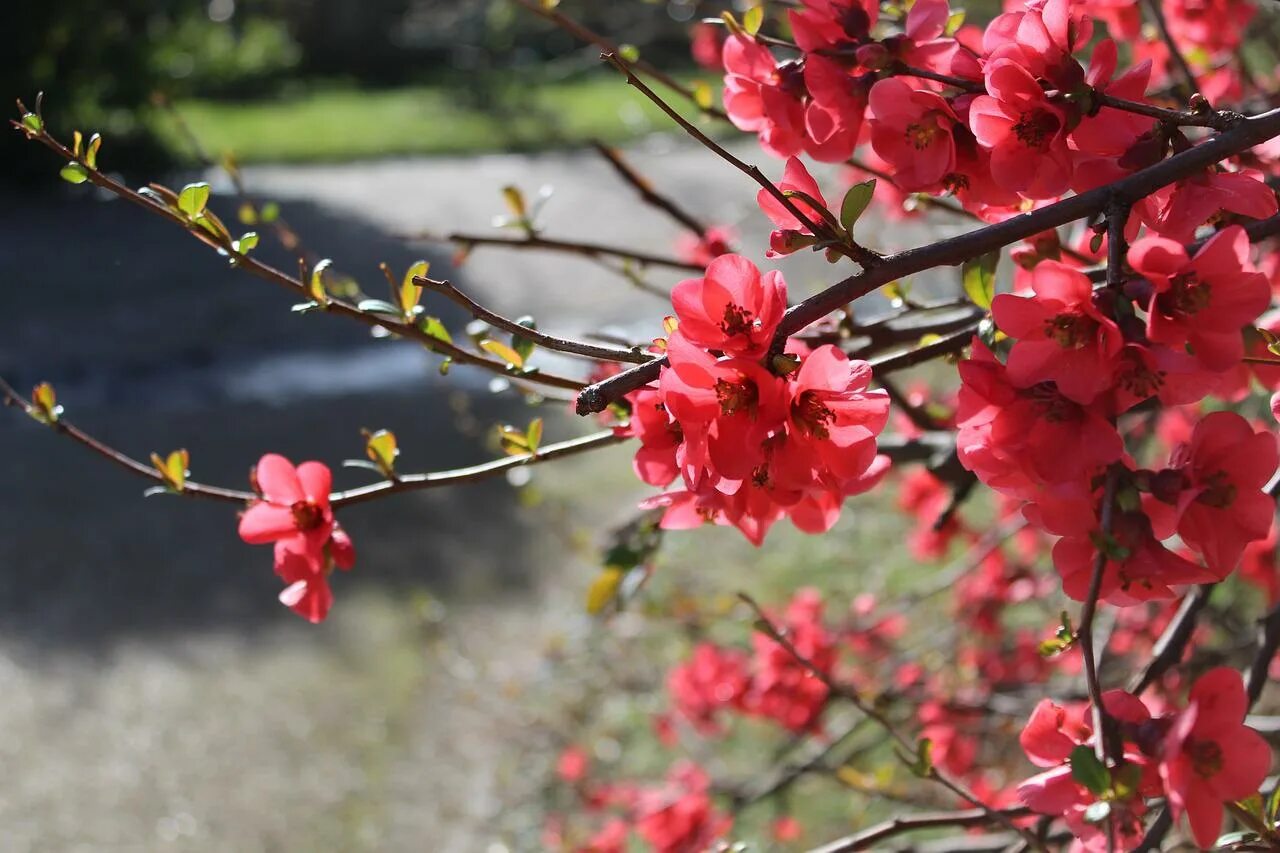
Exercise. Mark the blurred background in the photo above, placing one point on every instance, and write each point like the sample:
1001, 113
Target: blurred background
155, 694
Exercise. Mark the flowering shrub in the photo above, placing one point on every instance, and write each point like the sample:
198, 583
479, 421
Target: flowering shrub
1110, 400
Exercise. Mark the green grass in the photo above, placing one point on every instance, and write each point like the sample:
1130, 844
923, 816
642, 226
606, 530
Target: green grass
328, 122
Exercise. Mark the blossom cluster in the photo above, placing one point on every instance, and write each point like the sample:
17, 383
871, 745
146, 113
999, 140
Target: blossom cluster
1041, 427
1198, 758
1002, 118
752, 434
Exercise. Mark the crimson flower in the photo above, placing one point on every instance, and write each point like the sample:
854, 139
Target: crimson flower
1024, 130
733, 308
911, 129
1209, 756
1061, 335
1203, 301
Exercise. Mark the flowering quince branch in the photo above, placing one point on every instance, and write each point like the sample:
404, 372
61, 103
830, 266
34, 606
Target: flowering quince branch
576, 247
1156, 14
1169, 648
1101, 721
411, 330
955, 250
551, 342
70, 430
869, 837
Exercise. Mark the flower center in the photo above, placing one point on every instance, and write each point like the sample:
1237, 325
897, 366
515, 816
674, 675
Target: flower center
1206, 757
1053, 406
1034, 126
921, 135
1186, 295
737, 320
1219, 491
1070, 331
789, 77
1139, 380
735, 397
306, 515
813, 415
855, 22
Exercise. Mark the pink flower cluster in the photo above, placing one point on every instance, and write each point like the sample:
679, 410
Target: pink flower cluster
1002, 119
294, 514
1040, 427
1199, 758
753, 435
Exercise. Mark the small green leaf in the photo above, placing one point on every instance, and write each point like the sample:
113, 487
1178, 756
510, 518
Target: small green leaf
514, 442
855, 202
74, 173
247, 214
702, 95
978, 276
193, 199
533, 435
77, 143
1273, 344
378, 306
270, 212
32, 122
1089, 771
436, 329
503, 352
315, 284
173, 468
91, 152
382, 450
752, 20
247, 242
515, 201
954, 22
1231, 839
44, 404
629, 52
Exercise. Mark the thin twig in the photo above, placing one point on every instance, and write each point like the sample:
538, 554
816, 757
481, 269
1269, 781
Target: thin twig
576, 247
870, 836
134, 466
1084, 633
1169, 648
1157, 16
1268, 643
648, 194
551, 342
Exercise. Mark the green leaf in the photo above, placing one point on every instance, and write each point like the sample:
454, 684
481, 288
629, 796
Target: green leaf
752, 20
1231, 839
954, 22
382, 450
247, 242
315, 284
979, 278
32, 122
629, 52
193, 199
270, 212
1089, 771
173, 468
855, 202
522, 345
74, 173
514, 442
91, 152
433, 327
503, 352
44, 404
533, 435
378, 306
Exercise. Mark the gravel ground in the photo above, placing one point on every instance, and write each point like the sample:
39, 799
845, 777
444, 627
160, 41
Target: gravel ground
155, 695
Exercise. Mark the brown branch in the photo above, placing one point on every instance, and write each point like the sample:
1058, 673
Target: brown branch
1157, 17
828, 234
1268, 643
1246, 134
1169, 648
648, 194
295, 285
575, 247
485, 470
134, 466
584, 34
551, 342
1084, 633
865, 839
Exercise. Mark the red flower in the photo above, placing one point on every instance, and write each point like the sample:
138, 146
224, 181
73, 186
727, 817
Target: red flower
1209, 756
764, 97
733, 309
1024, 131
1177, 210
680, 817
717, 240
1202, 301
1212, 490
709, 682
294, 513
1062, 336
791, 232
912, 129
